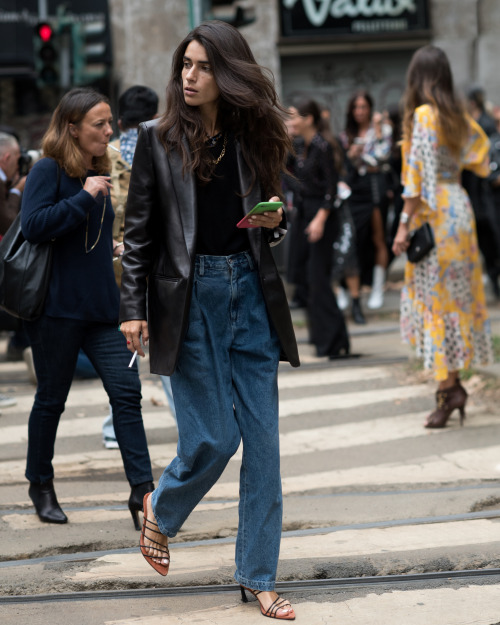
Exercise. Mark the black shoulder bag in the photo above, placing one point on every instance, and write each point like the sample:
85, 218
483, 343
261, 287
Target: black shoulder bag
25, 270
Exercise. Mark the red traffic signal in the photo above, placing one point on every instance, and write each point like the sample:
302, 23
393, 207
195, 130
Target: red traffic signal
46, 54
45, 31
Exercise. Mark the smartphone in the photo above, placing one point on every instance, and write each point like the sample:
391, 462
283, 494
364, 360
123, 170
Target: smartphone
261, 207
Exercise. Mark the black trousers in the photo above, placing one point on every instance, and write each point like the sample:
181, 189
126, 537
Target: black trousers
311, 271
488, 236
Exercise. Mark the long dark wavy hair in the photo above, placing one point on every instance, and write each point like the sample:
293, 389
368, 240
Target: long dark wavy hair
58, 142
429, 81
248, 107
351, 125
305, 107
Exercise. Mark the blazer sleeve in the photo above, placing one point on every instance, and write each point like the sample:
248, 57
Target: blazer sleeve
137, 259
277, 235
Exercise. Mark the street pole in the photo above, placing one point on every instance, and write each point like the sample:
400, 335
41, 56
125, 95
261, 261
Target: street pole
42, 10
195, 13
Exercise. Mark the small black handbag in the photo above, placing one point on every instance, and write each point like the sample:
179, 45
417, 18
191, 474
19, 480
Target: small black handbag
421, 243
24, 273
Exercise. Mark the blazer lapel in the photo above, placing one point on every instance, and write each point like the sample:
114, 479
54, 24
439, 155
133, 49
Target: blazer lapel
185, 191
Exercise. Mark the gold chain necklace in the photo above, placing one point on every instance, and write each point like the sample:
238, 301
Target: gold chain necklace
216, 161
87, 251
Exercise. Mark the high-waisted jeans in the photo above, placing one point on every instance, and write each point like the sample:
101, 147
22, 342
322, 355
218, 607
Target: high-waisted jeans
225, 389
55, 344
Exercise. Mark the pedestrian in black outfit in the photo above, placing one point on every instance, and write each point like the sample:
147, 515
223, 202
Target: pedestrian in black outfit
481, 196
315, 190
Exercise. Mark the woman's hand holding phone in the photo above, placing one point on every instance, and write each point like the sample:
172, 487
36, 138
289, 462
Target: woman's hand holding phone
270, 217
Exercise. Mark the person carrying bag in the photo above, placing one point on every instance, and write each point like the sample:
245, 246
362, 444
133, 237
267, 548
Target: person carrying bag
66, 207
24, 271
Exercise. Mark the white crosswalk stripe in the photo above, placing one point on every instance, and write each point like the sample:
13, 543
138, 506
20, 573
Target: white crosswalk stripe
331, 399
324, 412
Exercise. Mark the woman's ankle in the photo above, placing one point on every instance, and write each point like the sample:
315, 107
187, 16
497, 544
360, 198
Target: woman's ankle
450, 382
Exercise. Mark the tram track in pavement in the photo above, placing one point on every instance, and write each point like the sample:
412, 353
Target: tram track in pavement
307, 585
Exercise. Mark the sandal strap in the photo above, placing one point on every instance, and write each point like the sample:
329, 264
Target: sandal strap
276, 605
159, 546
150, 525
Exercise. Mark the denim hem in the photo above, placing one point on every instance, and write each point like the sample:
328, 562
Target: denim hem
159, 522
163, 530
255, 584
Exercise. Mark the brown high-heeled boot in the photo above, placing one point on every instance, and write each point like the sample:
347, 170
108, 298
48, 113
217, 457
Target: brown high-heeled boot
446, 402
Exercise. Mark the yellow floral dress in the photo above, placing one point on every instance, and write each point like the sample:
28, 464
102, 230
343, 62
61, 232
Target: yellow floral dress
443, 310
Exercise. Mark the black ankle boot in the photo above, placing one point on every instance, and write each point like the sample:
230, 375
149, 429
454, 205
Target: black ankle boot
357, 313
44, 499
135, 500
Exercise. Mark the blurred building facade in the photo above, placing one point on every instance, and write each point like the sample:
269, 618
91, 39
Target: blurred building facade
323, 48
300, 42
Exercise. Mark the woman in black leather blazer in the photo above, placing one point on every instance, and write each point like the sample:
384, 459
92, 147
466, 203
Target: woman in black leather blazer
208, 295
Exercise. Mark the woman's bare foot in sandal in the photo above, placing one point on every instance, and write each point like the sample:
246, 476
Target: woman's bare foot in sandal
153, 544
271, 604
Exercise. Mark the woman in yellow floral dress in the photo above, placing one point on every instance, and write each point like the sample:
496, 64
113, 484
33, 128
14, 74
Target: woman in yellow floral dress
443, 311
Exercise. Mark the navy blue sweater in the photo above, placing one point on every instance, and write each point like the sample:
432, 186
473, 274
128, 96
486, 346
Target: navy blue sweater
82, 286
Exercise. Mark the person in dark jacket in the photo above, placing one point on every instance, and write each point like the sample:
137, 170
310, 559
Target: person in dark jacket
66, 201
482, 196
314, 184
207, 295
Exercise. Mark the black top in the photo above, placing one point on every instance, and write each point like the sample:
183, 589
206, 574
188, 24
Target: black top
314, 168
219, 204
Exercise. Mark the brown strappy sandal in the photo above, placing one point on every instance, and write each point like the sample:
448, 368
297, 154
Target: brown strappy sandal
273, 610
150, 526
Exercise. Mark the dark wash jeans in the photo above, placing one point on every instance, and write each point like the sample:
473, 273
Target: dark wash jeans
55, 344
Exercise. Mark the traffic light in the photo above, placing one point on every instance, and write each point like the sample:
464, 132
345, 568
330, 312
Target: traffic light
46, 49
90, 41
231, 12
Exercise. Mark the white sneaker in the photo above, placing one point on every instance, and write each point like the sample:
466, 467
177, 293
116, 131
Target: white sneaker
110, 443
6, 401
376, 299
342, 298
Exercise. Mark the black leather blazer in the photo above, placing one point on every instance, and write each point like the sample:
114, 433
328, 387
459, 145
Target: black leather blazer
160, 237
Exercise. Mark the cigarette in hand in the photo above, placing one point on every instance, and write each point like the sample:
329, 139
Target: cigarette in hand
132, 360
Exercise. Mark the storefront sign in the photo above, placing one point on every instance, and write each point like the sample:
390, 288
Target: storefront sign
308, 18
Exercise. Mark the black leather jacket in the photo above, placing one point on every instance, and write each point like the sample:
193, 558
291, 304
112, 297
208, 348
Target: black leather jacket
160, 236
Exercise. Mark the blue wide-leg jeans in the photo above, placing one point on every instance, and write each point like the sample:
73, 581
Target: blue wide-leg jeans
55, 344
225, 388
